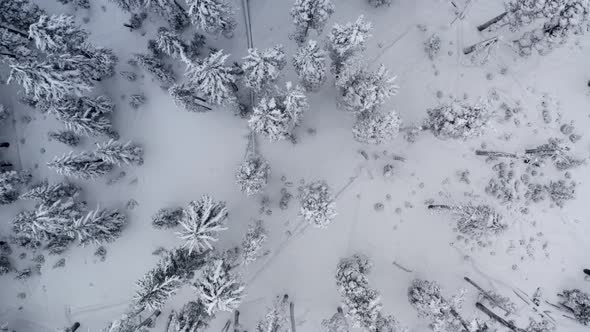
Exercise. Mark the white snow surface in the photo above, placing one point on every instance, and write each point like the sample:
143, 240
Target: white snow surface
189, 154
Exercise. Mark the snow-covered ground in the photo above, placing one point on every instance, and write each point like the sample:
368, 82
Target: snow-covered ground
188, 155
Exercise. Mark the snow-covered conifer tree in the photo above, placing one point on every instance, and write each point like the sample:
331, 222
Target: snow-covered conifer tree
10, 184
345, 41
44, 80
219, 289
18, 15
425, 296
362, 90
476, 221
185, 96
317, 204
67, 137
379, 3
310, 65
376, 127
212, 16
192, 317
84, 115
97, 226
458, 120
578, 303
201, 222
277, 116
48, 194
84, 165
337, 323
253, 241
170, 43
262, 68
58, 34
15, 47
120, 153
310, 14
167, 217
215, 80
277, 317
252, 175
156, 68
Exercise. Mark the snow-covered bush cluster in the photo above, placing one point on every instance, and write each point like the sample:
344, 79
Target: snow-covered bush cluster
477, 222
426, 297
578, 303
376, 127
252, 175
317, 204
458, 120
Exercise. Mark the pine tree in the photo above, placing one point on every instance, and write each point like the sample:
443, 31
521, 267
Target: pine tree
317, 204
117, 153
169, 42
345, 41
153, 292
201, 222
376, 127
578, 303
57, 34
98, 62
10, 184
84, 165
67, 137
310, 14
277, 116
98, 226
167, 217
425, 296
310, 65
48, 194
156, 68
215, 80
192, 317
262, 69
458, 120
364, 91
84, 115
253, 241
252, 175
277, 317
185, 96
212, 16
44, 80
219, 289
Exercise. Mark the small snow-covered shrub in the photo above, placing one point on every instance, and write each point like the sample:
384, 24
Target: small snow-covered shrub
252, 175
317, 204
458, 120
376, 127
253, 241
66, 137
432, 46
167, 217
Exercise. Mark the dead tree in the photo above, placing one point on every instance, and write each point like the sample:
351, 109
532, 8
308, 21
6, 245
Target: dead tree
482, 44
486, 295
491, 22
497, 318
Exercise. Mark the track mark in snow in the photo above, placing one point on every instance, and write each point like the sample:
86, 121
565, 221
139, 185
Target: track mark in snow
386, 48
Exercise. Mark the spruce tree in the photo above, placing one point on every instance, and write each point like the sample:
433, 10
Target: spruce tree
212, 78
10, 184
192, 317
67, 137
167, 217
277, 317
48, 194
310, 65
156, 68
212, 16
345, 41
18, 15
97, 226
201, 222
171, 44
262, 68
310, 14
58, 34
117, 153
84, 165
83, 115
185, 96
219, 289
255, 237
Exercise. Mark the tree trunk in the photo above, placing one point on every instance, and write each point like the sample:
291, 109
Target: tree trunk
439, 207
587, 271
486, 294
485, 43
497, 318
168, 322
492, 22
236, 321
4, 145
182, 10
226, 326
74, 327
495, 154
456, 315
151, 318
292, 315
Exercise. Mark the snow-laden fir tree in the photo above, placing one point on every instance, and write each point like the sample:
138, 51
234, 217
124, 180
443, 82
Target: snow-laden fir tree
156, 68
171, 44
171, 10
46, 80
15, 47
380, 3
83, 115
67, 137
477, 222
167, 217
310, 65
262, 68
174, 270
118, 153
458, 120
277, 317
48, 194
252, 175
97, 226
127, 323
192, 317
376, 127
213, 78
363, 90
578, 303
425, 296
85, 165
345, 41
19, 14
317, 204
10, 185
212, 16
58, 34
336, 323
201, 222
185, 96
275, 117
253, 240
310, 14
219, 289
